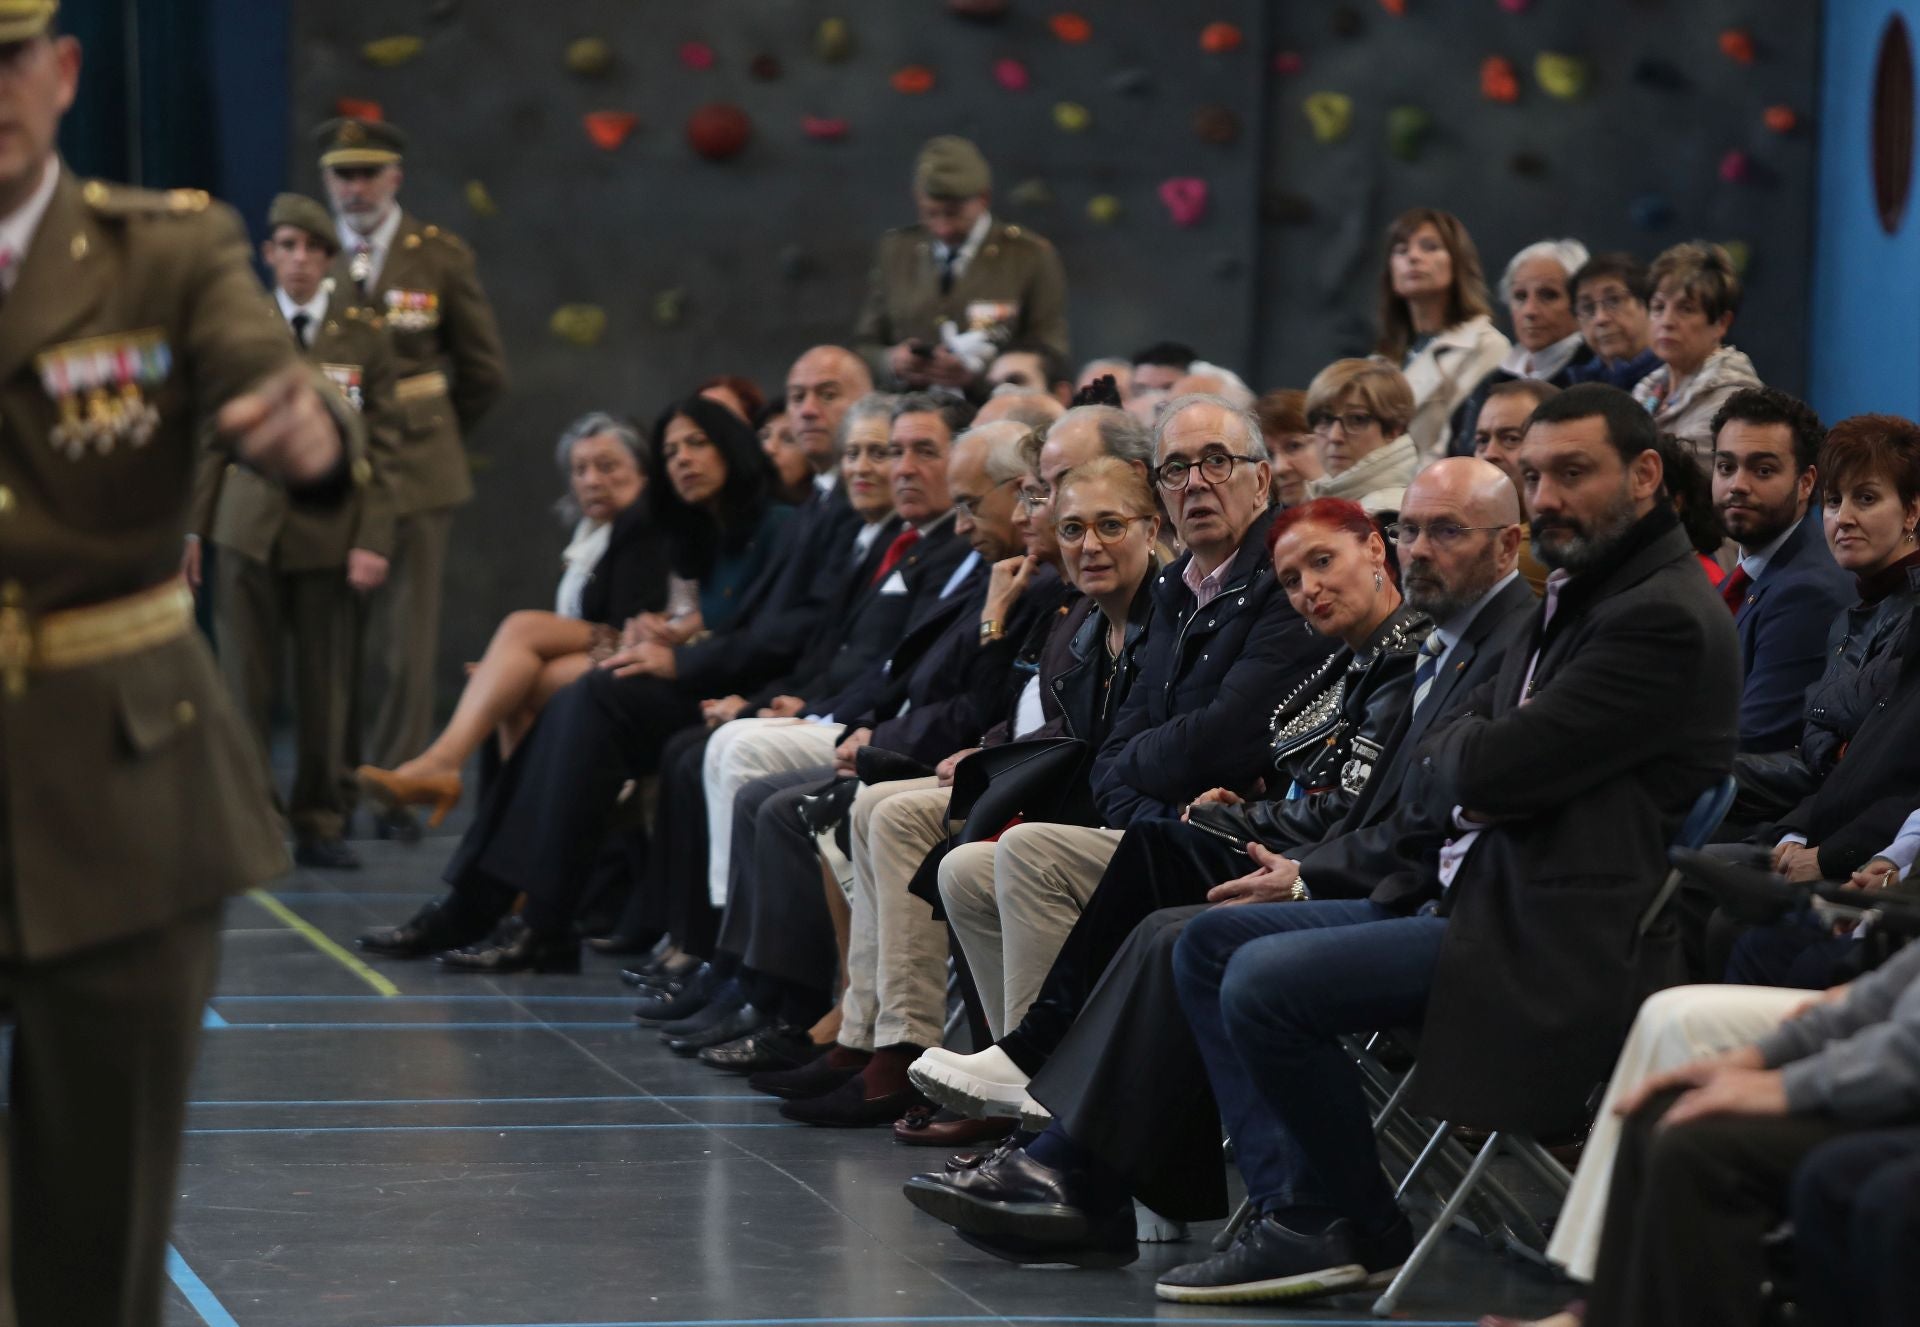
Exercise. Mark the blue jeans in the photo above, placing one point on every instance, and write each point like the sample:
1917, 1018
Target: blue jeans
1269, 988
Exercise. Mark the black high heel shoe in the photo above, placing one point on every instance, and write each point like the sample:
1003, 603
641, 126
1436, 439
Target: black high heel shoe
514, 947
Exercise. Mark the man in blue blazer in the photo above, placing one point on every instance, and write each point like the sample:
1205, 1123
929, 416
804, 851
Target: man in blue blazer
1787, 589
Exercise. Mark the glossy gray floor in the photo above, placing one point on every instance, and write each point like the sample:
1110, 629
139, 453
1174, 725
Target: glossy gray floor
515, 1151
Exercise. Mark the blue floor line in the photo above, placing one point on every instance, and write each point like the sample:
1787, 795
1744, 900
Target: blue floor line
211, 1311
1269, 1320
477, 1128
210, 1018
435, 999
529, 1025
481, 1101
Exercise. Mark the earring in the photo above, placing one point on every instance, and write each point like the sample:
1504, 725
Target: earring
1910, 536
1380, 581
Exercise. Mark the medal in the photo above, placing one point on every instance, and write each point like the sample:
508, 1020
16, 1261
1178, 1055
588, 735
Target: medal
100, 388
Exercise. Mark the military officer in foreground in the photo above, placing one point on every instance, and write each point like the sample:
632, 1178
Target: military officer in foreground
285, 571
421, 279
132, 800
997, 285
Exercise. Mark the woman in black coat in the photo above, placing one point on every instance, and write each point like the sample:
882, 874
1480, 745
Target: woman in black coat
615, 568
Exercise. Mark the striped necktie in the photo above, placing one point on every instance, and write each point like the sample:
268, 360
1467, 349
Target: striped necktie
1427, 669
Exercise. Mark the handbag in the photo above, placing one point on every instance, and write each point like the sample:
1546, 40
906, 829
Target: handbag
1045, 779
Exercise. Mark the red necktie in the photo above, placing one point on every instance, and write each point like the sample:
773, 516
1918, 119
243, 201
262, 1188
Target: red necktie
906, 539
1734, 589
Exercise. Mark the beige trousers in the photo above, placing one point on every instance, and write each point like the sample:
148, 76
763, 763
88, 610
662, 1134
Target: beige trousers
1013, 902
896, 952
407, 611
737, 754
1674, 1026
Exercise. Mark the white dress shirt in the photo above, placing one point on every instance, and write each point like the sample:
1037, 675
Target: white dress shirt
315, 309
968, 247
378, 243
18, 229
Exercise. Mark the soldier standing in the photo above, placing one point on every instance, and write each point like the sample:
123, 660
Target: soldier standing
132, 799
451, 367
289, 571
997, 285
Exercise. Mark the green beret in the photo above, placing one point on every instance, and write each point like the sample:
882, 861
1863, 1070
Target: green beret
951, 167
22, 20
301, 211
354, 142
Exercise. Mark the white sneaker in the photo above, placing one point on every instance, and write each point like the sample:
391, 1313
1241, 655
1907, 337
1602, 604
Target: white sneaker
1149, 1227
980, 1085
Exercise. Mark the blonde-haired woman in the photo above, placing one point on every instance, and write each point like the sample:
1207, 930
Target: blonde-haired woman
1360, 409
1696, 293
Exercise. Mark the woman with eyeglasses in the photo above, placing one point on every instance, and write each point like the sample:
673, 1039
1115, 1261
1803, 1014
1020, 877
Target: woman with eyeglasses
1696, 293
1435, 322
1359, 409
1293, 448
1331, 732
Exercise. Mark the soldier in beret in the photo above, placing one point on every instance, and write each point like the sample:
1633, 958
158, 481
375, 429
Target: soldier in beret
132, 799
287, 571
451, 368
995, 285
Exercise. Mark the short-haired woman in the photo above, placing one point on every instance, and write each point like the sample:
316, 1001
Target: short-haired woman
1292, 447
1696, 293
1360, 410
1537, 289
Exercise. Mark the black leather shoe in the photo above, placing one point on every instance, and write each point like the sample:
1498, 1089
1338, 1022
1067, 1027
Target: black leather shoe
742, 1022
849, 1107
1015, 1201
325, 855
438, 926
775, 1046
1269, 1261
726, 998
515, 947
815, 1078
397, 823
650, 957
680, 1000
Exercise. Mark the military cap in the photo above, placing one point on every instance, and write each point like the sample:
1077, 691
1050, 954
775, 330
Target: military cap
301, 211
348, 141
21, 20
951, 167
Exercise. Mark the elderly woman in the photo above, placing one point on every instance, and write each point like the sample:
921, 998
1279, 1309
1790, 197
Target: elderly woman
1537, 290
1360, 409
1435, 322
615, 568
1696, 293
1610, 297
1292, 448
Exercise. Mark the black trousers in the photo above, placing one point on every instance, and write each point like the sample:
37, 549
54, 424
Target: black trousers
670, 885
1856, 1218
1686, 1214
776, 920
541, 823
1160, 864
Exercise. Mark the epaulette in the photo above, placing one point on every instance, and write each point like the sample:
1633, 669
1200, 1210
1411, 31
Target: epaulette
122, 200
434, 235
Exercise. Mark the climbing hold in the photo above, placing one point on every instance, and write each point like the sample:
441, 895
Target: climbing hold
1219, 38
796, 263
833, 40
1407, 128
1331, 114
696, 55
1782, 119
1070, 117
1185, 199
764, 67
1740, 254
823, 128
1346, 21
1225, 266
1651, 211
1398, 8
1011, 74
356, 109
479, 201
1563, 76
390, 51
1032, 193
912, 80
1499, 80
1736, 167
1515, 6
719, 130
1217, 125
1737, 45
1282, 208
609, 129
979, 11
589, 57
1104, 209
1660, 75
580, 324
669, 307
1071, 28
1288, 62
1527, 165
1130, 82
443, 11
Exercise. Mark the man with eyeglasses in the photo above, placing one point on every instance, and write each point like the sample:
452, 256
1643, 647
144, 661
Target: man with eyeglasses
1497, 434
1610, 294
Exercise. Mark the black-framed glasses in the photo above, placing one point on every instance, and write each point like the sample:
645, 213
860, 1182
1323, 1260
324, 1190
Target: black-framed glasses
1215, 467
1351, 421
970, 507
1442, 533
1586, 308
1107, 529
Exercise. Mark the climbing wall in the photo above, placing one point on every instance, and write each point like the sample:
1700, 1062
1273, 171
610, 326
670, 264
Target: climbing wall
659, 191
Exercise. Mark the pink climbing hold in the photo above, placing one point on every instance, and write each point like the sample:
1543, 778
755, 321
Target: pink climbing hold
1288, 62
1515, 6
823, 129
1185, 199
1011, 75
696, 55
1736, 167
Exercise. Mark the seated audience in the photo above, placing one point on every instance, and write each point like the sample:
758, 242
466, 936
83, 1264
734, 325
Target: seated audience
1203, 379
1039, 370
1156, 368
1120, 370
1610, 296
1435, 322
736, 393
1359, 409
1536, 288
1293, 449
1497, 435
1696, 293
615, 570
1786, 589
790, 460
1690, 494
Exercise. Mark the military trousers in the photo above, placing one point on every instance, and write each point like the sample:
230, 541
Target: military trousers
406, 615
103, 1046
256, 609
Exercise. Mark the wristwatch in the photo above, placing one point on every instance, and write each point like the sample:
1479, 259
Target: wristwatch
992, 630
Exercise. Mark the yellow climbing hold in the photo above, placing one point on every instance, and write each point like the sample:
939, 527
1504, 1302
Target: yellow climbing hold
580, 324
1562, 76
479, 201
1070, 117
1103, 209
1331, 114
390, 51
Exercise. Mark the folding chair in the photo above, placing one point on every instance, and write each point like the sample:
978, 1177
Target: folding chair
1702, 820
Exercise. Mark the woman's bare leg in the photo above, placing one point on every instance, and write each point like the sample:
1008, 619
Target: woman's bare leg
827, 1030
500, 684
553, 675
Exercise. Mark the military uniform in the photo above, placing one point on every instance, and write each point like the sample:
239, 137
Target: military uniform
282, 568
1013, 287
452, 369
132, 799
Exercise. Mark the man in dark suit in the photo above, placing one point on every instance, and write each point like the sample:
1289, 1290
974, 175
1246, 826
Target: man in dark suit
1787, 589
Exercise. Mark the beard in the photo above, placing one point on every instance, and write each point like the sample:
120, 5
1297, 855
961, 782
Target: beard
1587, 543
1429, 593
1764, 524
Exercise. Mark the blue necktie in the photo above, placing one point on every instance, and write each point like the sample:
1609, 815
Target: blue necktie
1427, 669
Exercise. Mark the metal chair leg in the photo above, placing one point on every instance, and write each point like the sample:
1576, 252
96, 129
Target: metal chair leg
1383, 1307
1241, 1215
1425, 1159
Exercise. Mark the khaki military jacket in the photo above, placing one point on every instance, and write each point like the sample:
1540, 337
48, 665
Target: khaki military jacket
1014, 286
130, 792
447, 354
243, 510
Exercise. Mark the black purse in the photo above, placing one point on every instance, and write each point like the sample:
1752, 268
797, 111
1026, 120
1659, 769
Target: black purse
1045, 779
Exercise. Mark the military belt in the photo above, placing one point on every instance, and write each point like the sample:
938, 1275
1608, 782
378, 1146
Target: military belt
76, 637
421, 386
